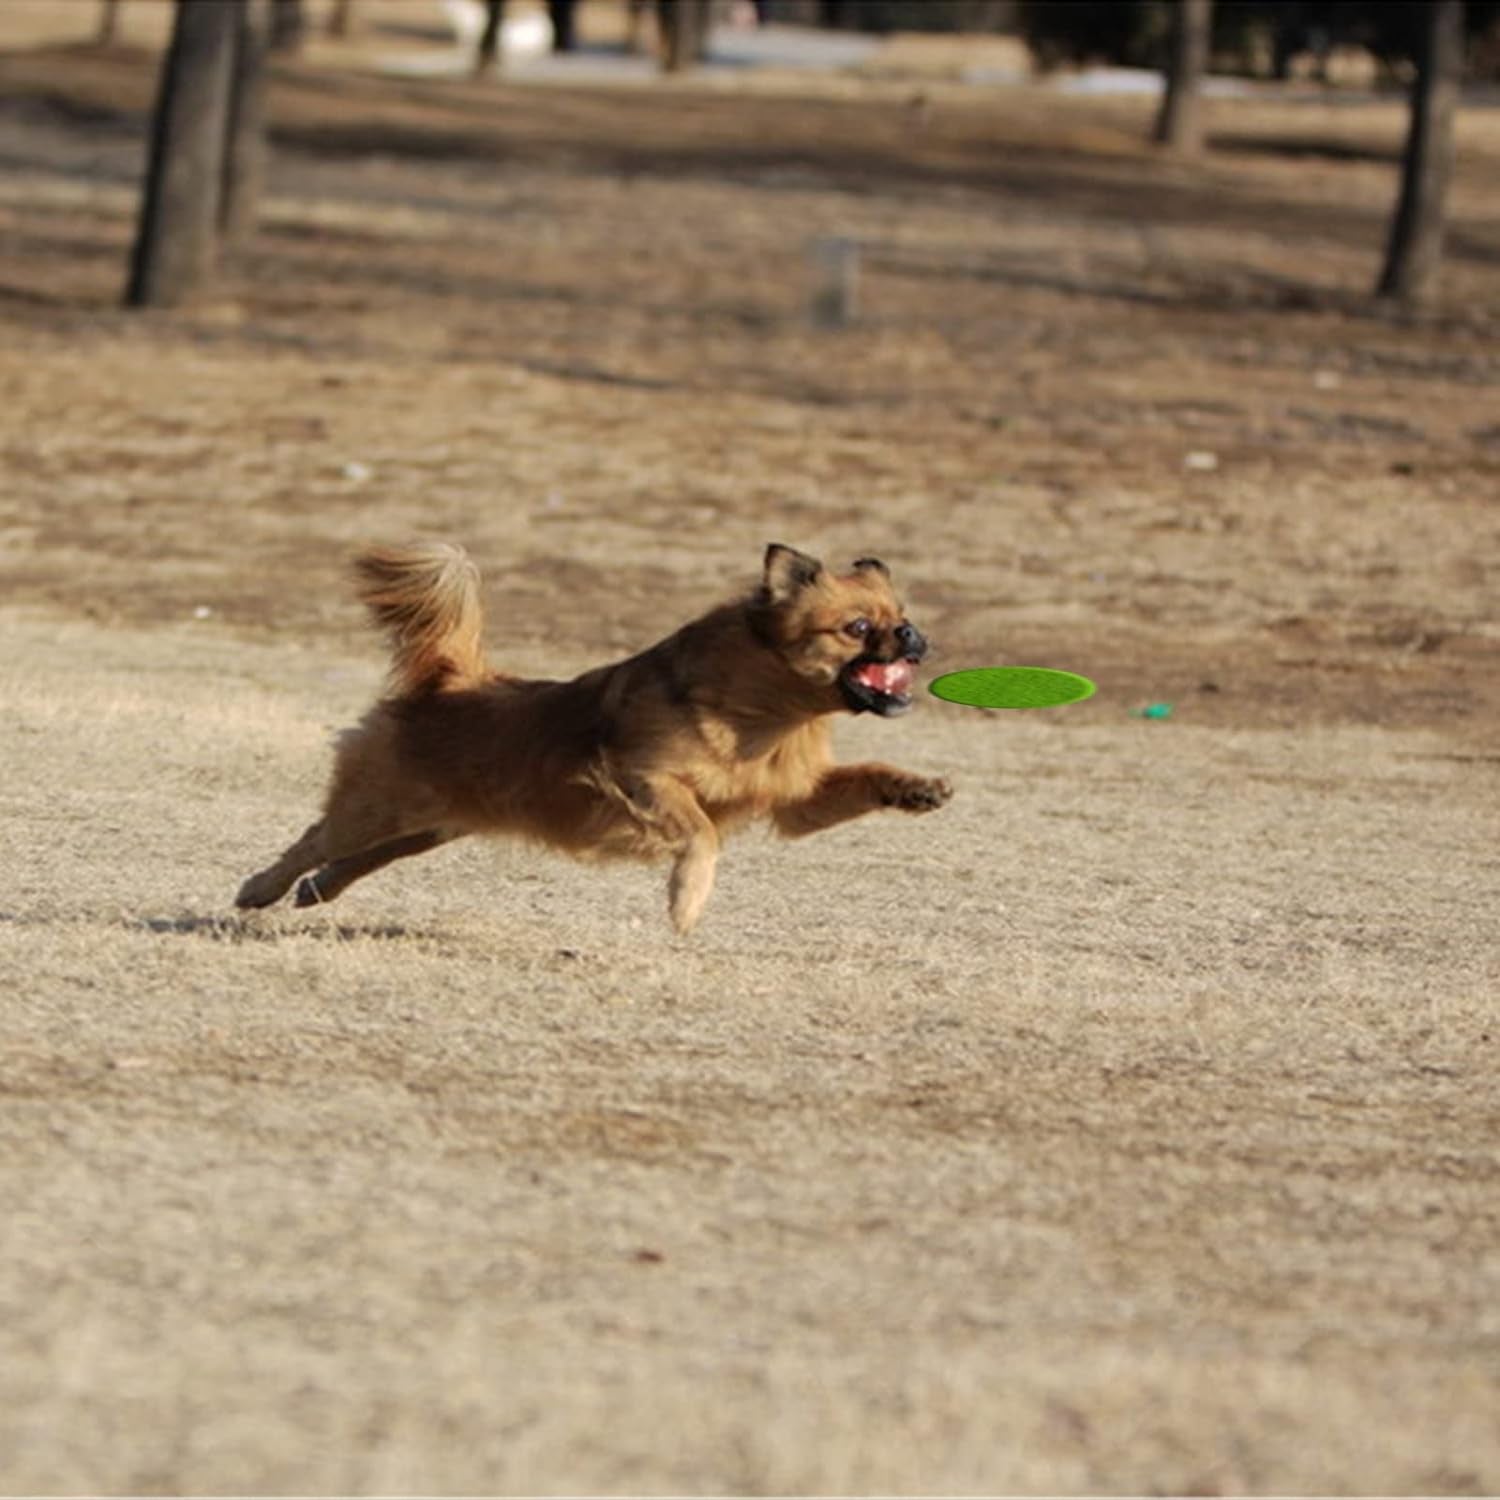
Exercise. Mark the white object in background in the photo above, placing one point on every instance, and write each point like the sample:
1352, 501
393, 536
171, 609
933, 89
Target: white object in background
522, 34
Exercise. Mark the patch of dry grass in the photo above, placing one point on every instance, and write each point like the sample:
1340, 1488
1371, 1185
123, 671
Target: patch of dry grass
1130, 1127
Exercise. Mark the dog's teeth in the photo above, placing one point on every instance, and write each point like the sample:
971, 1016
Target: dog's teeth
893, 678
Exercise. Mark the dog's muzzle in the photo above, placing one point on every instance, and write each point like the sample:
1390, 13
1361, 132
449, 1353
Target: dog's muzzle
872, 685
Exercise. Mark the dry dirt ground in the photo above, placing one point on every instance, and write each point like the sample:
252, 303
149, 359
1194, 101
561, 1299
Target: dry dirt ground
1130, 1125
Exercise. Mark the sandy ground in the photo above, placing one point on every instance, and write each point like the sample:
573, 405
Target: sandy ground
1129, 1126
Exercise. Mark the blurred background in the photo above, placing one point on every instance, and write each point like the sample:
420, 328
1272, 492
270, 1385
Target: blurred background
1045, 300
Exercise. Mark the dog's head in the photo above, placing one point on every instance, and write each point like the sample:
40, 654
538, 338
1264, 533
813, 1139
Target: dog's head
845, 634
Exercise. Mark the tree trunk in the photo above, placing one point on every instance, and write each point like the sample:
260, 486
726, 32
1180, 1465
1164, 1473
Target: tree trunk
177, 233
288, 26
340, 18
244, 144
109, 23
684, 32
1179, 123
635, 17
489, 42
1286, 42
1415, 247
564, 16
673, 23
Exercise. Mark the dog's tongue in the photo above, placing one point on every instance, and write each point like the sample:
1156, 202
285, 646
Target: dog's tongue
892, 677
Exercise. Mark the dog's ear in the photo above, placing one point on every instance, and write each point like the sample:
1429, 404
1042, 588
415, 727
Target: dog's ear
788, 572
861, 563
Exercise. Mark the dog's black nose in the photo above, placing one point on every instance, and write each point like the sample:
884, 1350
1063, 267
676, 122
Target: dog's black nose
910, 641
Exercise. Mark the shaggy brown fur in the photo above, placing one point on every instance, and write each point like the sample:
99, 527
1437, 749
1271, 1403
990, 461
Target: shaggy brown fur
657, 756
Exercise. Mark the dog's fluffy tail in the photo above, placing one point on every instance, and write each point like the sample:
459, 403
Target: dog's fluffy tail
426, 600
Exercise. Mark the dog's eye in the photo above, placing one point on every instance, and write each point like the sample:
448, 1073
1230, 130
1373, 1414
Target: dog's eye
858, 628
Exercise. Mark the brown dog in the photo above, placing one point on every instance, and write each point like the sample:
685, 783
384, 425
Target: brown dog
660, 755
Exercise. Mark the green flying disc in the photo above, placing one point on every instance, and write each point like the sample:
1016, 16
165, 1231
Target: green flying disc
1012, 687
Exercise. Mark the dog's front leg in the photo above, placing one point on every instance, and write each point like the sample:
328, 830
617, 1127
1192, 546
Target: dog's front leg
851, 791
677, 817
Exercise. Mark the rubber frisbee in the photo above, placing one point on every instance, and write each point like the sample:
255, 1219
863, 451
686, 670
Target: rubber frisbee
1012, 687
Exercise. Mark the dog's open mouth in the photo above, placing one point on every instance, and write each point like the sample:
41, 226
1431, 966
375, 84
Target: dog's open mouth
882, 687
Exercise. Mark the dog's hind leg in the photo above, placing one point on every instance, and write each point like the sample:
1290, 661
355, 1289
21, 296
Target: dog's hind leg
338, 875
272, 883
373, 808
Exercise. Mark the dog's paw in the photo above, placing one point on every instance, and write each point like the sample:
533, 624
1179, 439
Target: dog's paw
260, 890
918, 794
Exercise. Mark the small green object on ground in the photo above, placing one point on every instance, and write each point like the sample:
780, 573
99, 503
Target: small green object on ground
1012, 687
1153, 711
